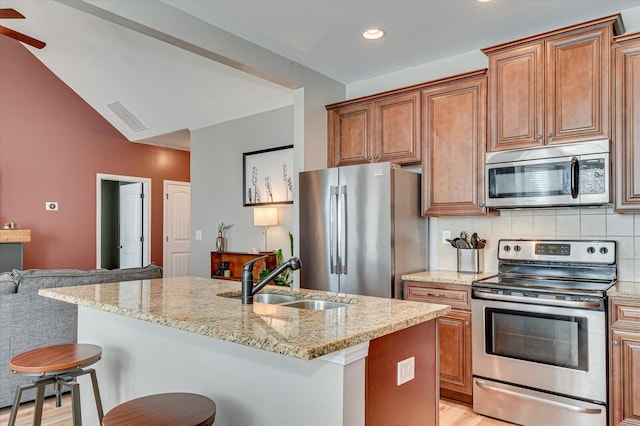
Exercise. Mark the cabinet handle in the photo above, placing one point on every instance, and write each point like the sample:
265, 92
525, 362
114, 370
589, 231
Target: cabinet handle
467, 323
369, 158
550, 135
375, 157
539, 137
435, 295
481, 205
616, 343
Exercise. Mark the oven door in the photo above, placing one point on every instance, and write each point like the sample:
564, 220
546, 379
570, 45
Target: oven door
562, 181
550, 348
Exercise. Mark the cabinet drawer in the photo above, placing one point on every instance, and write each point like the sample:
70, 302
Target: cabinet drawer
457, 296
625, 313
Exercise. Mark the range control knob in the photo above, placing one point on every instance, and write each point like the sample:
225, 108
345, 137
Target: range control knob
604, 250
506, 248
591, 250
517, 248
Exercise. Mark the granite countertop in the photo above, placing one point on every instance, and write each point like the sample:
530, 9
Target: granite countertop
197, 305
447, 277
626, 289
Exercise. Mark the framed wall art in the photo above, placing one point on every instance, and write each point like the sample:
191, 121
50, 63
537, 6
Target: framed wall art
268, 176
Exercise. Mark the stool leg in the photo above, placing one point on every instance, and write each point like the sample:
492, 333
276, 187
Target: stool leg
56, 386
96, 394
75, 403
37, 414
14, 409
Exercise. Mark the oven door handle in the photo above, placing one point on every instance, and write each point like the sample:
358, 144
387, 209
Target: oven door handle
536, 301
485, 386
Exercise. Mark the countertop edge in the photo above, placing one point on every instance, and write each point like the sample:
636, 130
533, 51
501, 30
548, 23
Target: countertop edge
305, 353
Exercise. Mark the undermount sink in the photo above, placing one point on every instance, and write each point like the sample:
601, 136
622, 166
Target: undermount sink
316, 305
273, 298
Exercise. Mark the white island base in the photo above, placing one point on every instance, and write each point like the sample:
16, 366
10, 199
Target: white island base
250, 386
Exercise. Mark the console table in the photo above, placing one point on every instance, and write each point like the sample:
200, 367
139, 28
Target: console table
11, 248
237, 259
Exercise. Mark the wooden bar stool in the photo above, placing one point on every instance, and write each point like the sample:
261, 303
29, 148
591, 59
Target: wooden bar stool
58, 365
165, 409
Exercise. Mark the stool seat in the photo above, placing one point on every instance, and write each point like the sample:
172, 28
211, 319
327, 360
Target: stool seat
57, 365
165, 409
55, 359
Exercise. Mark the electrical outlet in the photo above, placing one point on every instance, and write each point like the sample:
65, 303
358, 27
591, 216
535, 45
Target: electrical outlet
51, 206
446, 235
406, 370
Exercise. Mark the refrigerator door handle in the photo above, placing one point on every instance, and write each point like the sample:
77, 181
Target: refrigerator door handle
333, 229
343, 230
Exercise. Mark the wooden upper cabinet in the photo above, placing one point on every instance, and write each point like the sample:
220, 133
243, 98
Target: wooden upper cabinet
516, 98
396, 135
349, 133
378, 128
454, 113
627, 124
551, 88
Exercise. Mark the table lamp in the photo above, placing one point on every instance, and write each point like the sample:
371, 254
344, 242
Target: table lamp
265, 216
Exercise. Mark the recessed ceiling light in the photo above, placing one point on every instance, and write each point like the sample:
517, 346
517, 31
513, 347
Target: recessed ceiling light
373, 34
484, 1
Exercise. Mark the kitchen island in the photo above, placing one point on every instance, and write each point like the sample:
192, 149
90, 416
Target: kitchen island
263, 364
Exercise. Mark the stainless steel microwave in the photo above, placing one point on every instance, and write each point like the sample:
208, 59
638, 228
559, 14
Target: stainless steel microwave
576, 174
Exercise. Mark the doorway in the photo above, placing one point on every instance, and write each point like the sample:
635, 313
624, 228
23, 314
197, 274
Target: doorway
123, 221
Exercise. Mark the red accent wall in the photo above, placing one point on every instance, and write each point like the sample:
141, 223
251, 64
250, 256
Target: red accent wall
52, 145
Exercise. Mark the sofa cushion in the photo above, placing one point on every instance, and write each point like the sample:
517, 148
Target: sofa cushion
7, 283
34, 279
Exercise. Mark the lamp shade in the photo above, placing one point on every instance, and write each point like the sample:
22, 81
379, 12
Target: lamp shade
265, 216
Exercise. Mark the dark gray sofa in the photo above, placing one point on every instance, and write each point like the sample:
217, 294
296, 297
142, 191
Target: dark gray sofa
28, 321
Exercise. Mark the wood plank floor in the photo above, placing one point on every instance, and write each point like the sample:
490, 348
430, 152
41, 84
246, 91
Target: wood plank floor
451, 414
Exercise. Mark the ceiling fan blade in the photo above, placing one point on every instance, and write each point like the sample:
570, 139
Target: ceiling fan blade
10, 14
22, 37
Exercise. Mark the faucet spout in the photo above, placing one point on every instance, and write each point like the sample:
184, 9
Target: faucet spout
248, 289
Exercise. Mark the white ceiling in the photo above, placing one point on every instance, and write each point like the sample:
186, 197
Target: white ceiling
172, 90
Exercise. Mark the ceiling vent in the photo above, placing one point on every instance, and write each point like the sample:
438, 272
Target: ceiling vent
126, 116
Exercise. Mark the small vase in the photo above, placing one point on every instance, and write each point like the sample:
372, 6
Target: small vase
220, 242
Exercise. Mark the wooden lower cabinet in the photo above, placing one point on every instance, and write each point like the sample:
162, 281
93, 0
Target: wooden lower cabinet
624, 358
454, 330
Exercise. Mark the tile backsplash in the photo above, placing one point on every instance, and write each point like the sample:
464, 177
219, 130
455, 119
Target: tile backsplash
570, 223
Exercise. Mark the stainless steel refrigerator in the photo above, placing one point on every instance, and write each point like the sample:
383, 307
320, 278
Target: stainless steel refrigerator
361, 229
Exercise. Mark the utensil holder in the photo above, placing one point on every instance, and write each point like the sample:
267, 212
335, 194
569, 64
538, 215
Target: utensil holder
470, 260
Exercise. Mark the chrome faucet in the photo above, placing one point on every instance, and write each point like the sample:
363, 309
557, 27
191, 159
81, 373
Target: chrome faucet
248, 289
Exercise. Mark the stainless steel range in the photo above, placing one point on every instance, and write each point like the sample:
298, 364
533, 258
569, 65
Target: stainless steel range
540, 358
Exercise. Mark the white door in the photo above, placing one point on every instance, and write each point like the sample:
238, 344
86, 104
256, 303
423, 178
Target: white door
131, 198
177, 228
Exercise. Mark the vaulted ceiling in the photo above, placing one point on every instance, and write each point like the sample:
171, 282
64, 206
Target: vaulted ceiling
107, 53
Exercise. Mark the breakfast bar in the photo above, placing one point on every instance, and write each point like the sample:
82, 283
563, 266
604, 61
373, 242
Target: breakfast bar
265, 363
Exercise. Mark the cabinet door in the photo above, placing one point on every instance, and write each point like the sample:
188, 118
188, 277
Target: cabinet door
349, 135
453, 148
577, 86
455, 352
516, 98
397, 130
625, 377
627, 130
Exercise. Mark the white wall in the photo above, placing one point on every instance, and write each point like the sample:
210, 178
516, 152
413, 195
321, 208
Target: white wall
216, 188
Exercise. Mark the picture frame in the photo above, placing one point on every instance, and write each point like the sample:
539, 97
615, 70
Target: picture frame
268, 176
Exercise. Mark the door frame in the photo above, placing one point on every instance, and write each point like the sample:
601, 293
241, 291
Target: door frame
146, 214
165, 214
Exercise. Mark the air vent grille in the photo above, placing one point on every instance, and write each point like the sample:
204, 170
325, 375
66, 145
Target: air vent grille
126, 116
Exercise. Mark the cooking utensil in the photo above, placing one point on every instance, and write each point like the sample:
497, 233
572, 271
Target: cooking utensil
464, 235
452, 242
474, 240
